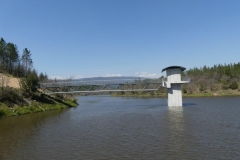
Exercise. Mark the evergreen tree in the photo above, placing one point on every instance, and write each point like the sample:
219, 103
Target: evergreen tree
43, 77
30, 83
12, 57
26, 60
2, 54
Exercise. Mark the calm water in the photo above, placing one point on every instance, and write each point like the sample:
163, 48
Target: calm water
104, 127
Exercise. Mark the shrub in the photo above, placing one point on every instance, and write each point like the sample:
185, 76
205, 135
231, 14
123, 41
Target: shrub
30, 83
11, 96
184, 90
225, 87
2, 113
202, 88
233, 85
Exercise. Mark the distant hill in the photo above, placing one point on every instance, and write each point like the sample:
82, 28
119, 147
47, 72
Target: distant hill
122, 78
109, 78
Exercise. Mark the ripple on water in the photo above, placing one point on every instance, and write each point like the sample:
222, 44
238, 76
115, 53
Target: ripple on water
104, 127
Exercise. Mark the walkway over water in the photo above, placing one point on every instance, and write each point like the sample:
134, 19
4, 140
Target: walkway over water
172, 83
95, 86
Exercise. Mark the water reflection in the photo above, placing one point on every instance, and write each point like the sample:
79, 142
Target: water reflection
175, 119
176, 136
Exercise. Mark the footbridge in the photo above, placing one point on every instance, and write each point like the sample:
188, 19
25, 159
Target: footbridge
95, 86
173, 84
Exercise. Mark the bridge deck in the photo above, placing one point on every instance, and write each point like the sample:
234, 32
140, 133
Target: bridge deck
99, 86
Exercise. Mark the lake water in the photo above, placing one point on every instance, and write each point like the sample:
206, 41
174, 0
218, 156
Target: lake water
104, 127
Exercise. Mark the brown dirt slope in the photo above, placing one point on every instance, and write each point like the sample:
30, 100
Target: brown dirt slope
7, 80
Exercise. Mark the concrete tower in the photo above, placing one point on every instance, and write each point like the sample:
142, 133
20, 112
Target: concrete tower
173, 84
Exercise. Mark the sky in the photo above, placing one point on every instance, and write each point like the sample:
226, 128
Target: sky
91, 38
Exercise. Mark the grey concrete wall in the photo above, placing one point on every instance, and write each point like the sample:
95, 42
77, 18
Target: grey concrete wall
175, 95
173, 75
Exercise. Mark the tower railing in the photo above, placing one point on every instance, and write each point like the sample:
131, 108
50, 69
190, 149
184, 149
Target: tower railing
183, 79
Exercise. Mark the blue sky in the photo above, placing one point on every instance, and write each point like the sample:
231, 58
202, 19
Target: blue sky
88, 38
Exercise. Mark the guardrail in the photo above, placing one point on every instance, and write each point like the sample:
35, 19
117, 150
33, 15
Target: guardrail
125, 85
187, 79
99, 82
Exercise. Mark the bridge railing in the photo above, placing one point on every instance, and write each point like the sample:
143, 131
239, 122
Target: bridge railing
100, 82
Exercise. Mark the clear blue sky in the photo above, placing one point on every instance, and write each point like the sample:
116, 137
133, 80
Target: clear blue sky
85, 38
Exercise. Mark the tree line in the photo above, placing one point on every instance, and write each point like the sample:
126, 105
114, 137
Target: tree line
218, 77
19, 65
12, 62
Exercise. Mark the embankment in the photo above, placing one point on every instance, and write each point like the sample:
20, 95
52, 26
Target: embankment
36, 104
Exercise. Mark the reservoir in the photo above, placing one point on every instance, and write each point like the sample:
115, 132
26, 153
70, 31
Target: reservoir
105, 127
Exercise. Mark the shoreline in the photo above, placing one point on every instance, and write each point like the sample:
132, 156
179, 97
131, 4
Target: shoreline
222, 94
35, 107
63, 104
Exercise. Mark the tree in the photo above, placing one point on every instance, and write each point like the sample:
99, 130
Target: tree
19, 70
30, 83
233, 85
2, 53
43, 77
26, 60
12, 57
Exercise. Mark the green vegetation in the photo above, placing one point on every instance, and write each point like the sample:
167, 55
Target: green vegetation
27, 99
29, 83
38, 103
219, 80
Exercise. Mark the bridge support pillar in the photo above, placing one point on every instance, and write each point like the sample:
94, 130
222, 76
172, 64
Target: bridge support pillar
173, 84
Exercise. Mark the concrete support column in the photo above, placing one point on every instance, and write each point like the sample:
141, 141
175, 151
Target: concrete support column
175, 95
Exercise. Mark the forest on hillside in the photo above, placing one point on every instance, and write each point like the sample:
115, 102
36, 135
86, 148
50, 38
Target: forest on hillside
10, 60
13, 63
212, 79
27, 98
18, 65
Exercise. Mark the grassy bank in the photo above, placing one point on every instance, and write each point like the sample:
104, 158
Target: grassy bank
218, 93
37, 104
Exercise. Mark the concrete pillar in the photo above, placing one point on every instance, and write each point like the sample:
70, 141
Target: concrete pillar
173, 85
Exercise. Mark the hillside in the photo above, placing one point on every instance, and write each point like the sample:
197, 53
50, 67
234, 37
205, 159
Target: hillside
219, 78
8, 80
16, 69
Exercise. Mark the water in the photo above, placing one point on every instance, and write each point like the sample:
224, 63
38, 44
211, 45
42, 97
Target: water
104, 127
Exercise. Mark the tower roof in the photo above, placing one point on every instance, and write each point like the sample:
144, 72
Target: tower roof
173, 67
